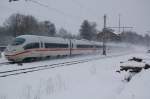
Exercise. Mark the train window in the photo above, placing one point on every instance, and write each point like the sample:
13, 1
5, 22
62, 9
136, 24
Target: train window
98, 46
55, 45
31, 46
18, 41
84, 46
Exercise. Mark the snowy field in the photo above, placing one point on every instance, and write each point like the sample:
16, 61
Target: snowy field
96, 79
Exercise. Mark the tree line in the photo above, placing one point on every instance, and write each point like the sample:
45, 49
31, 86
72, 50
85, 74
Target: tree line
19, 24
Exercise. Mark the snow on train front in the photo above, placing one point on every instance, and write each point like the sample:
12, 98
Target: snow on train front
13, 49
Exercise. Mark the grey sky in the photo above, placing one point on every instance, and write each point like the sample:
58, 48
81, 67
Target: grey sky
71, 13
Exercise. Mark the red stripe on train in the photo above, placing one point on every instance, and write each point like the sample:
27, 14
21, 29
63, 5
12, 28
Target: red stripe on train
62, 49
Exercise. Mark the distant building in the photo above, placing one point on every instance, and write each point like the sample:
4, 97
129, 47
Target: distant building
109, 36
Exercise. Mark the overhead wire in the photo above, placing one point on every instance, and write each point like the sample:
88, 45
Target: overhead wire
56, 10
66, 14
62, 12
87, 9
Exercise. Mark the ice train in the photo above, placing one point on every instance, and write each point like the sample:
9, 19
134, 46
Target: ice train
32, 47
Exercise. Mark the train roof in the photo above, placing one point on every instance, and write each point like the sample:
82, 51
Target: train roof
36, 36
56, 39
43, 38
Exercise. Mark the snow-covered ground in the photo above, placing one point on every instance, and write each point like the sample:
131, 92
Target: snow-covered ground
96, 79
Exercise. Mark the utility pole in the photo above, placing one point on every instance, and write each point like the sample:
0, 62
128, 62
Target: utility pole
104, 36
119, 23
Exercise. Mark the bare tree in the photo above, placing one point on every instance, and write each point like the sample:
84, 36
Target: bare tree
64, 33
21, 24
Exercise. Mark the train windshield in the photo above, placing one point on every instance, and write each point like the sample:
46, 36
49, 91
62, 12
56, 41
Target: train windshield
18, 41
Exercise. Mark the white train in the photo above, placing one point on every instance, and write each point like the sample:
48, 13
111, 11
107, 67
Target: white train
31, 47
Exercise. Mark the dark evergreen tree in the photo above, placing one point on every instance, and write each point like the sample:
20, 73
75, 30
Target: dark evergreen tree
88, 30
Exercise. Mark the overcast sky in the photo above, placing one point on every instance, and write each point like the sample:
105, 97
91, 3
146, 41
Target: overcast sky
71, 13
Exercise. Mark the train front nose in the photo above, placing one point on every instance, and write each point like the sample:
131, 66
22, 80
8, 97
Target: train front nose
9, 51
14, 48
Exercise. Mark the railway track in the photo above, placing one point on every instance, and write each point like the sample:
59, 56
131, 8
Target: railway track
6, 63
44, 67
37, 68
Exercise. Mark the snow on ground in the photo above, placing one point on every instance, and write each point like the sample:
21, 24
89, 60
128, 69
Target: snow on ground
2, 58
96, 79
137, 88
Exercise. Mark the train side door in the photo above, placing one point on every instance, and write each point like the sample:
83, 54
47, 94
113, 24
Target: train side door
41, 46
71, 46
